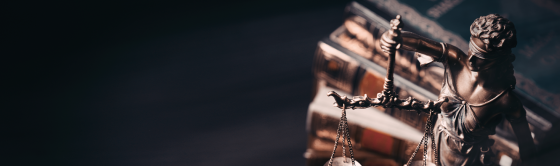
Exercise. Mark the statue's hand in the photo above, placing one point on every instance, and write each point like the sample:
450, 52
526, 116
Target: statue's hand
391, 39
440, 102
384, 44
387, 43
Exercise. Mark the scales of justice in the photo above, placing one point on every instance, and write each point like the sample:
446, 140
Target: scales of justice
387, 98
474, 146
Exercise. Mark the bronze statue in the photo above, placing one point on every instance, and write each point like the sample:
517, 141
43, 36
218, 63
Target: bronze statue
476, 93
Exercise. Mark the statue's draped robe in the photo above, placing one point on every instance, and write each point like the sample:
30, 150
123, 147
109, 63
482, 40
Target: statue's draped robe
460, 139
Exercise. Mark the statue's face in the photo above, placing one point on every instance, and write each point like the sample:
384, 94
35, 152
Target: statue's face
477, 63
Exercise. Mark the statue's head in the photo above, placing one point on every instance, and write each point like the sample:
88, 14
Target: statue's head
492, 38
495, 33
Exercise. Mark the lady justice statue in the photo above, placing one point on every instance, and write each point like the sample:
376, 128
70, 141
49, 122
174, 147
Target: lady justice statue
476, 93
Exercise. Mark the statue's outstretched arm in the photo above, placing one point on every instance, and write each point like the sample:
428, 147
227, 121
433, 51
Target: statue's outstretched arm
428, 49
420, 44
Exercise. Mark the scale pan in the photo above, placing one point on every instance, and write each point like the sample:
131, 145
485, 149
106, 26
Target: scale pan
339, 161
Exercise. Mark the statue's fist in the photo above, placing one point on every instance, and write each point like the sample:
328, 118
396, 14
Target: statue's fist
391, 39
387, 43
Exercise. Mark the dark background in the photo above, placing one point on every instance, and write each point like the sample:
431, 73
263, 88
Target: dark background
159, 83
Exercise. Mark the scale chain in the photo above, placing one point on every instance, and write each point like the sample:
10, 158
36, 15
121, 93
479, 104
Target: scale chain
435, 152
348, 137
336, 142
343, 136
343, 127
424, 140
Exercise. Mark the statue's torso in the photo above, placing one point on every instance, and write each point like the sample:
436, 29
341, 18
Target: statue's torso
462, 137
